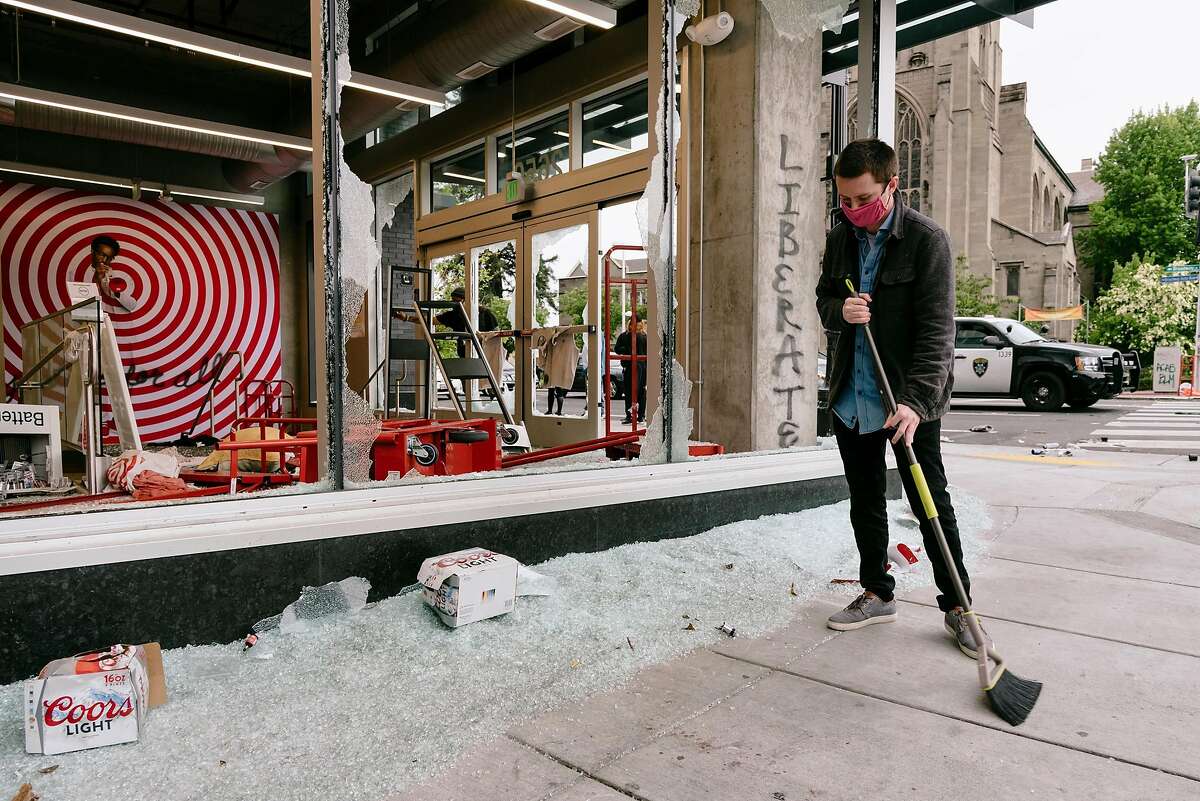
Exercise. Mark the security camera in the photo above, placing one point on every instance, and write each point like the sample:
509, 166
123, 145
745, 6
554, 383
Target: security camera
711, 30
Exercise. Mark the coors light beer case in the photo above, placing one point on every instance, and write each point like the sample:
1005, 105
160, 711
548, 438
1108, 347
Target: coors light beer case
469, 585
93, 699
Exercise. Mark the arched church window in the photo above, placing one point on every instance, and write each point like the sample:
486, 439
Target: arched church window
1047, 209
1036, 218
909, 152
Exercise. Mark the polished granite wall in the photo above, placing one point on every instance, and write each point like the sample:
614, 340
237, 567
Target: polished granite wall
216, 597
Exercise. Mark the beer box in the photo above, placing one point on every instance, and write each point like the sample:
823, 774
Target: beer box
469, 585
93, 699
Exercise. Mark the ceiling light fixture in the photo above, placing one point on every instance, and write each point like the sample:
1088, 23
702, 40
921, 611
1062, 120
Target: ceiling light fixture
587, 11
136, 187
611, 146
144, 29
462, 177
596, 112
155, 118
638, 118
563, 134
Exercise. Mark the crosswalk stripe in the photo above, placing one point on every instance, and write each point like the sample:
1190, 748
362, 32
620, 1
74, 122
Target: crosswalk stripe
1156, 426
1150, 424
1156, 444
1140, 432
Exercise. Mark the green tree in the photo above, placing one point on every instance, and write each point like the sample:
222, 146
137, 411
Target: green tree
972, 293
1142, 209
1139, 313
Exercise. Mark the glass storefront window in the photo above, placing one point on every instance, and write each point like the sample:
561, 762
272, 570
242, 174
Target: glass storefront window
448, 273
615, 124
559, 264
542, 150
458, 179
495, 271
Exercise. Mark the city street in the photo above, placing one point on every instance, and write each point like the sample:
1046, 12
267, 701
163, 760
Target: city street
1131, 423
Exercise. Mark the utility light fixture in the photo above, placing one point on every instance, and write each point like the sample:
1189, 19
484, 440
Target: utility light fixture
462, 177
596, 112
139, 28
164, 190
587, 11
156, 118
611, 146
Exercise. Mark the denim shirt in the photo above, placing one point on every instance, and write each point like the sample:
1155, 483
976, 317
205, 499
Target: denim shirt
860, 403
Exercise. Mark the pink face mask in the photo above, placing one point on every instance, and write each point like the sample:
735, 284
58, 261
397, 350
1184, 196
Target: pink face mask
869, 215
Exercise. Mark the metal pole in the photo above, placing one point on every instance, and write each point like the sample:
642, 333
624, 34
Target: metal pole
326, 138
877, 70
666, 126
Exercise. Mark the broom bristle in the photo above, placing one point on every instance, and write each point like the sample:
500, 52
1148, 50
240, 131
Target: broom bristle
1012, 697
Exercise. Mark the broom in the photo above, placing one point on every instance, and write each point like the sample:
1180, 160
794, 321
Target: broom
1010, 696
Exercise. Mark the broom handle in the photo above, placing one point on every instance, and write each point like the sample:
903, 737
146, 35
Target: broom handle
931, 512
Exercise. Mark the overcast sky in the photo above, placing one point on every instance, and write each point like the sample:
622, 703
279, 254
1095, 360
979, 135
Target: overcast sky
1091, 63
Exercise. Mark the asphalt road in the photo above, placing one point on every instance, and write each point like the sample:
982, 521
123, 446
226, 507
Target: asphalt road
1132, 424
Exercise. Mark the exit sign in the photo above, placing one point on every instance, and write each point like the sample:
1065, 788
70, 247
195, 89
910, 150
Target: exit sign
514, 188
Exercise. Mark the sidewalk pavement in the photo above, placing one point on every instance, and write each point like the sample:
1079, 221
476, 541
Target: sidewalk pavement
1090, 586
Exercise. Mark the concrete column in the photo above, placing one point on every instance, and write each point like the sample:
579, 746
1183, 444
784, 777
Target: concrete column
330, 357
877, 69
758, 232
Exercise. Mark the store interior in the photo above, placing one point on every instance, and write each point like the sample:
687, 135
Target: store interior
165, 307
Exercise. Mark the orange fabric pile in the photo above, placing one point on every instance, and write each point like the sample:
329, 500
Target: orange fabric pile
148, 485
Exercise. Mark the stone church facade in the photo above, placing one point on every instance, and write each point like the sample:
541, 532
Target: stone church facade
971, 160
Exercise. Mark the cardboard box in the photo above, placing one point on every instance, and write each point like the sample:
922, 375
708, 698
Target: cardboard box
469, 585
93, 699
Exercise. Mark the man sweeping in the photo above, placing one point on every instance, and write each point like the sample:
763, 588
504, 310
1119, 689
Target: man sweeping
899, 260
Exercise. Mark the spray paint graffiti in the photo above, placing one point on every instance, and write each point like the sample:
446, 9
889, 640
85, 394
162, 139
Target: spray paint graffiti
787, 367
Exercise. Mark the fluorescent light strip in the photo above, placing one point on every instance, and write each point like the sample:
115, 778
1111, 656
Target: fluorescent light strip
50, 172
563, 134
138, 28
519, 142
596, 112
912, 22
638, 118
611, 146
583, 10
463, 177
155, 118
212, 194
125, 183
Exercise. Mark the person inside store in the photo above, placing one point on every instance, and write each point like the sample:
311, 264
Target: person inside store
624, 347
454, 320
900, 262
112, 288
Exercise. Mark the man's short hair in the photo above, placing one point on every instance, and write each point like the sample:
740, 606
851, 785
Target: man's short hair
867, 155
458, 294
106, 240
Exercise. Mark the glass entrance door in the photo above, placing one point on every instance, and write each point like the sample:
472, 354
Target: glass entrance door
560, 288
492, 291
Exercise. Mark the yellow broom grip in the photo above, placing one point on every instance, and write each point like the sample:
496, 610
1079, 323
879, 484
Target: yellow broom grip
923, 490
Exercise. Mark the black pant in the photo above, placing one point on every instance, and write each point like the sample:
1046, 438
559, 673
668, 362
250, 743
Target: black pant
626, 381
862, 456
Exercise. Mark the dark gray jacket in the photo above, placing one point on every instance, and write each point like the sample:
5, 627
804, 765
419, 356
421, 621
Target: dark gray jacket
912, 311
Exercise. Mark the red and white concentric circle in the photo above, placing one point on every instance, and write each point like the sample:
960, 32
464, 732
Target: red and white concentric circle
204, 282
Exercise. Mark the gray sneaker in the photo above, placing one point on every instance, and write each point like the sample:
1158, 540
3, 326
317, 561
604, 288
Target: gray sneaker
866, 609
956, 627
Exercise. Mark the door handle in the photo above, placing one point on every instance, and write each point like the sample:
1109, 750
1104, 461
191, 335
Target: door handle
959, 357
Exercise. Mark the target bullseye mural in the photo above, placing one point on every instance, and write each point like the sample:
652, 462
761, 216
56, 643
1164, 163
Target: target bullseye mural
200, 284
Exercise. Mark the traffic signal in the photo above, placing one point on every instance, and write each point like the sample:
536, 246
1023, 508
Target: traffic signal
1191, 195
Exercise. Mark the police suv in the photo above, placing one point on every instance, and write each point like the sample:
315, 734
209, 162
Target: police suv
995, 357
